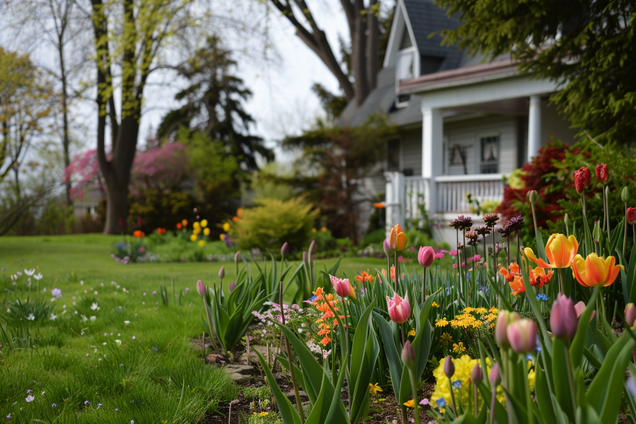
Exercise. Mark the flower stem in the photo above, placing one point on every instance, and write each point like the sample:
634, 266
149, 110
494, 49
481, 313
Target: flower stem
453, 397
414, 389
299, 404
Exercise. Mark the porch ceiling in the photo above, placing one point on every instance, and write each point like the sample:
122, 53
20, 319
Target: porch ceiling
517, 106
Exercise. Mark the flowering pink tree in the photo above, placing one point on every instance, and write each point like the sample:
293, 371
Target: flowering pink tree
83, 173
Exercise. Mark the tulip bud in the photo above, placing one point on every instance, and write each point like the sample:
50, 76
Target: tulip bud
522, 336
532, 195
408, 355
201, 288
582, 179
625, 194
495, 376
563, 319
630, 314
237, 257
503, 319
580, 308
631, 216
304, 256
284, 250
232, 286
449, 367
601, 172
477, 375
426, 256
596, 232
311, 248
222, 272
566, 219
387, 248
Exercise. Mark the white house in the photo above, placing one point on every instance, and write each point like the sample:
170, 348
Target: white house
465, 124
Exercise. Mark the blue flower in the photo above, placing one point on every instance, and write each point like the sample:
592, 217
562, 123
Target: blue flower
543, 297
529, 357
441, 402
457, 384
538, 348
311, 299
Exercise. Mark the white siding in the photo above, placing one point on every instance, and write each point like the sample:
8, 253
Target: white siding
554, 124
468, 134
412, 151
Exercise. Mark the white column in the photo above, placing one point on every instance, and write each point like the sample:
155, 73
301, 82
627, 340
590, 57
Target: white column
394, 200
534, 127
432, 154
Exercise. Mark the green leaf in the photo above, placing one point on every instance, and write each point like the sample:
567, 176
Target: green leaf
561, 379
542, 394
391, 352
578, 344
364, 354
501, 417
287, 412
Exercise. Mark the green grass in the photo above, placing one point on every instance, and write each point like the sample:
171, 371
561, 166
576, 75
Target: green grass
153, 376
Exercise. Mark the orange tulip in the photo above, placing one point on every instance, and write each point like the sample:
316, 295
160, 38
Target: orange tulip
560, 251
594, 271
397, 239
516, 285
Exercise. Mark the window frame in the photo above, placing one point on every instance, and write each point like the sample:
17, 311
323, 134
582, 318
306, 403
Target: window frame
480, 162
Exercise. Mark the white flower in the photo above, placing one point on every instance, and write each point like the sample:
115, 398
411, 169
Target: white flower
118, 342
30, 398
94, 307
84, 319
126, 322
56, 293
29, 272
53, 316
38, 276
18, 274
31, 317
81, 283
93, 318
133, 337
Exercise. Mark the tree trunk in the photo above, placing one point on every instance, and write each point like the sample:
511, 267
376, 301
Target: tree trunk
358, 54
116, 207
65, 136
373, 36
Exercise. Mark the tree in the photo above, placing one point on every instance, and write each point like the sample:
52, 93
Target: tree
587, 46
213, 105
332, 167
356, 74
133, 45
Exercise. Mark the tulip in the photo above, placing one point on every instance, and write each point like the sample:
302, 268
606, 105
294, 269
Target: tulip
237, 257
426, 256
397, 239
121, 222
560, 251
503, 320
625, 194
232, 286
582, 179
522, 336
630, 314
341, 286
477, 375
284, 250
631, 216
563, 318
387, 248
580, 308
222, 272
201, 288
495, 376
311, 248
399, 309
408, 355
601, 172
532, 195
449, 367
595, 271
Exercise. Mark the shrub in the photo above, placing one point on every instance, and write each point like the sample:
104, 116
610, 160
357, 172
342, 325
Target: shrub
273, 223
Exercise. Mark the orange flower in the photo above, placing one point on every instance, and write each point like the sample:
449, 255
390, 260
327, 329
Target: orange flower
539, 277
235, 219
510, 275
517, 285
560, 251
365, 276
379, 205
397, 239
178, 225
595, 271
184, 222
325, 341
323, 332
239, 212
138, 233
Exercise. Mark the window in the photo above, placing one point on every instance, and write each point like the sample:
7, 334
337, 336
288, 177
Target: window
393, 155
405, 64
489, 154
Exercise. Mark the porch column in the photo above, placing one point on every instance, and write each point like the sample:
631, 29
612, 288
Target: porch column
534, 127
432, 154
394, 200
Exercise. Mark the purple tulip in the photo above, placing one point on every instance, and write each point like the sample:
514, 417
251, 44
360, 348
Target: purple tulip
284, 251
563, 319
522, 336
222, 272
201, 288
477, 375
232, 286
495, 376
408, 355
426, 256
449, 367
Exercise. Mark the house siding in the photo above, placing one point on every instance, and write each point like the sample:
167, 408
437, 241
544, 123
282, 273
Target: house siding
553, 124
467, 135
412, 151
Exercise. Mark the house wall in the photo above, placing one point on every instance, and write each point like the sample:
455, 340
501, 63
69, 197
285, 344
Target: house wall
468, 133
554, 124
412, 150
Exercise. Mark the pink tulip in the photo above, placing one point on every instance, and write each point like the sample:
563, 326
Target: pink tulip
232, 286
630, 314
387, 248
522, 336
399, 309
503, 320
495, 376
341, 286
477, 375
426, 256
580, 308
222, 272
201, 288
408, 354
563, 319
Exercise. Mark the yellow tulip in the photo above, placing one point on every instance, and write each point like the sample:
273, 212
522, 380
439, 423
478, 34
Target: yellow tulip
196, 231
193, 237
226, 227
196, 224
201, 243
397, 239
594, 271
560, 251
222, 237
204, 223
206, 232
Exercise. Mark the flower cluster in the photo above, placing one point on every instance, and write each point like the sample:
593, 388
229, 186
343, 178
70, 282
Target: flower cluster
467, 320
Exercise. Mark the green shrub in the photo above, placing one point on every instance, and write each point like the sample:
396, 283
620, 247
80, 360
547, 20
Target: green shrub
273, 223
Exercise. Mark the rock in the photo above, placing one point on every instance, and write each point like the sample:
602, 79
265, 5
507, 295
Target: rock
253, 358
241, 379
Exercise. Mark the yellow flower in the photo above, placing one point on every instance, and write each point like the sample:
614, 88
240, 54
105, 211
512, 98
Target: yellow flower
206, 232
559, 250
193, 237
201, 243
412, 332
441, 322
204, 223
459, 347
222, 237
480, 311
196, 224
493, 310
313, 230
409, 403
196, 231
323, 229
374, 389
434, 305
595, 271
446, 338
226, 227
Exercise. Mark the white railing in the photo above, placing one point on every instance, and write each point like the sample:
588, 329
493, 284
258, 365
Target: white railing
452, 189
415, 192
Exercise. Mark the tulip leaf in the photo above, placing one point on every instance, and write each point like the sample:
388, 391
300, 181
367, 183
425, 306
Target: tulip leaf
519, 410
578, 344
502, 297
501, 417
390, 350
542, 394
586, 415
298, 374
614, 390
287, 412
561, 379
364, 354
561, 417
320, 408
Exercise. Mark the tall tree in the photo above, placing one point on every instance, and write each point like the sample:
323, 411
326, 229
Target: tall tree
587, 46
364, 27
213, 105
141, 28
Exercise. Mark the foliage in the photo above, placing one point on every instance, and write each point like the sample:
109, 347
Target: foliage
577, 44
159, 209
273, 223
160, 168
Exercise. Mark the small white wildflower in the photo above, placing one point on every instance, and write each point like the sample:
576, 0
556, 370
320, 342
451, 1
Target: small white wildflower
126, 322
38, 276
31, 317
94, 307
53, 316
93, 318
29, 272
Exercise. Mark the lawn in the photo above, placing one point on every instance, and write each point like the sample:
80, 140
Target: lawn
114, 352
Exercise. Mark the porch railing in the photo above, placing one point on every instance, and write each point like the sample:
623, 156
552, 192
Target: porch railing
452, 189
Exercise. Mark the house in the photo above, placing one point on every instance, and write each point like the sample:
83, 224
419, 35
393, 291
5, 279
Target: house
465, 124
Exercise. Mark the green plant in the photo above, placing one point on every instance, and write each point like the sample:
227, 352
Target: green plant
262, 392
273, 223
